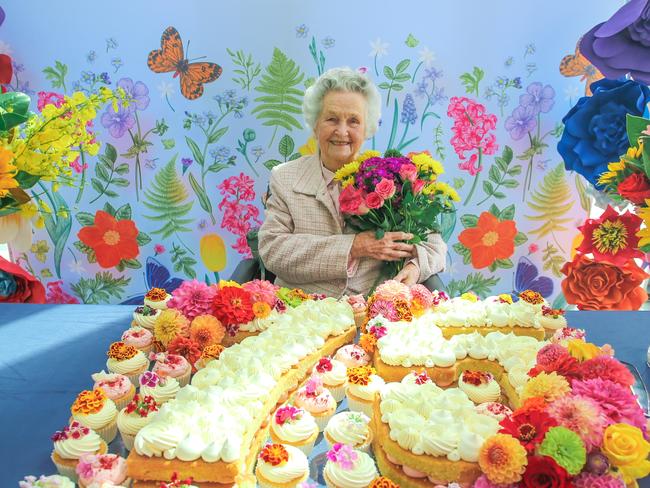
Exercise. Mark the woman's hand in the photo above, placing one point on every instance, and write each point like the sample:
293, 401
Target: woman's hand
388, 248
409, 274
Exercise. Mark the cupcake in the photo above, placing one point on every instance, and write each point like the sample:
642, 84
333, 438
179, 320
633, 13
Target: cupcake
96, 411
349, 428
352, 356
172, 366
157, 298
71, 443
493, 409
334, 375
295, 427
138, 337
552, 319
358, 304
363, 384
134, 416
53, 481
281, 466
101, 468
116, 386
318, 401
209, 353
348, 468
161, 388
144, 316
126, 360
479, 386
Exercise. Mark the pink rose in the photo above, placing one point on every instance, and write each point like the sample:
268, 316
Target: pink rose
351, 201
385, 188
418, 185
373, 200
408, 172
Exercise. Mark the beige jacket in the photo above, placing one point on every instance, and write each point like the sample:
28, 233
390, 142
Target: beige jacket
304, 244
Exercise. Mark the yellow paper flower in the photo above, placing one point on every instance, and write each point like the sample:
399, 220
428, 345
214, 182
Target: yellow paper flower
169, 324
582, 350
626, 449
644, 233
503, 459
213, 252
7, 172
549, 386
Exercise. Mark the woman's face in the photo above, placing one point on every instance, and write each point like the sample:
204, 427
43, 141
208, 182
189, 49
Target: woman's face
341, 127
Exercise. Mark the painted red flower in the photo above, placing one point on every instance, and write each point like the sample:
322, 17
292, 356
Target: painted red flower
111, 239
233, 306
490, 240
612, 237
529, 428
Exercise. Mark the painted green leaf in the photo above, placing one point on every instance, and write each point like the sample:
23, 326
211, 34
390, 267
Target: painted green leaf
100, 288
143, 239
469, 220
585, 200
286, 146
204, 201
411, 41
196, 152
168, 143
87, 250
108, 208
271, 163
85, 218
475, 282
124, 212
508, 213
520, 238
216, 135
551, 202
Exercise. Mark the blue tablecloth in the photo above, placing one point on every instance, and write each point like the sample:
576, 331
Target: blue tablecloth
48, 352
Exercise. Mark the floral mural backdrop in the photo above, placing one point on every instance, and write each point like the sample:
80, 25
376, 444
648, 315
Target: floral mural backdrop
180, 178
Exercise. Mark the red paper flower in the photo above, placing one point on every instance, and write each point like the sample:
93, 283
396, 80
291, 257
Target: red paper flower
233, 306
528, 428
544, 472
635, 188
6, 71
18, 286
111, 239
612, 237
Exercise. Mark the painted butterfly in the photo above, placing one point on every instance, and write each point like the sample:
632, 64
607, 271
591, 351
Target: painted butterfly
170, 57
577, 65
527, 278
156, 275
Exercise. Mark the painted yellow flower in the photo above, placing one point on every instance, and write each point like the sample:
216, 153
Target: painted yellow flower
213, 252
310, 147
7, 172
40, 250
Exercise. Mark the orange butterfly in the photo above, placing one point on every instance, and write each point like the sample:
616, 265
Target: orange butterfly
577, 65
171, 58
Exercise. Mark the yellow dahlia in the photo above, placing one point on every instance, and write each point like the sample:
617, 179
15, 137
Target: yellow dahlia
503, 459
206, 330
582, 350
169, 324
549, 386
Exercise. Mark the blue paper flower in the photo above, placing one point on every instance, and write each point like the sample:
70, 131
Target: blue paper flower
594, 129
7, 284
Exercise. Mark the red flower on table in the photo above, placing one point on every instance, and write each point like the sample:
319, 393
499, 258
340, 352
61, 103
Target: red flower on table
529, 428
233, 306
612, 237
111, 239
543, 471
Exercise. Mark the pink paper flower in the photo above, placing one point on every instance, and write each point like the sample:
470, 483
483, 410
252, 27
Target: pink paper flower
343, 455
193, 298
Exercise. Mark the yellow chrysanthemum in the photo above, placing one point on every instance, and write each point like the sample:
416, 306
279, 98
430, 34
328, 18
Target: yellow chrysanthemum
224, 283
7, 172
425, 163
347, 182
368, 154
447, 190
347, 170
549, 386
503, 459
169, 324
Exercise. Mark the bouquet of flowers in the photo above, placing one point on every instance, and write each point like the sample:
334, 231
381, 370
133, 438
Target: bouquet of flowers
395, 193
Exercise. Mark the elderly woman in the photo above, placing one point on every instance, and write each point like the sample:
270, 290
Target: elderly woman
303, 239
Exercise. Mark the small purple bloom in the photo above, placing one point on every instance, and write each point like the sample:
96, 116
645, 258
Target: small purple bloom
409, 113
540, 97
521, 121
118, 122
186, 162
433, 74
137, 92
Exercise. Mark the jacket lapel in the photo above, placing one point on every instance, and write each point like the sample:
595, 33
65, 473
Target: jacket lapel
312, 183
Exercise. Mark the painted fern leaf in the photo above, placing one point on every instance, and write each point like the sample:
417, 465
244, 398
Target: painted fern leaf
166, 198
283, 98
551, 202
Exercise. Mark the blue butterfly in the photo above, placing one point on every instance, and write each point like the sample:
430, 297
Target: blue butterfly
156, 275
527, 278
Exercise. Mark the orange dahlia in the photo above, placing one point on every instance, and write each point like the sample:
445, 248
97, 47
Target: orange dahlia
502, 458
206, 330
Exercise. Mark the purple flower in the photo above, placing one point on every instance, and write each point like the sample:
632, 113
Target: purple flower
137, 93
433, 74
409, 113
620, 45
186, 162
521, 121
118, 122
541, 98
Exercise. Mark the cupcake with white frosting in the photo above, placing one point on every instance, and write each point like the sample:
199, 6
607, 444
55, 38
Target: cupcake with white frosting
479, 386
96, 411
134, 416
281, 466
157, 298
71, 443
295, 427
116, 386
363, 385
145, 317
126, 360
334, 375
349, 428
348, 468
161, 388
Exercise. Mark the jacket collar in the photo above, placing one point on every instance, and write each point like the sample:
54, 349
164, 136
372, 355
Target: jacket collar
311, 182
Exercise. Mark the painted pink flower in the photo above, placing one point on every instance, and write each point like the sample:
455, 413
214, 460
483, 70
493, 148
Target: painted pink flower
239, 218
76, 166
533, 248
385, 188
159, 249
373, 200
469, 165
47, 98
55, 293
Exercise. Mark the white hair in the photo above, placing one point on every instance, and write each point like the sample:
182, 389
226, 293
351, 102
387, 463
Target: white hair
345, 80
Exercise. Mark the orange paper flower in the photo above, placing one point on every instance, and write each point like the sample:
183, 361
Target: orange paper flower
595, 285
121, 351
88, 402
111, 239
502, 458
490, 240
156, 294
360, 375
274, 454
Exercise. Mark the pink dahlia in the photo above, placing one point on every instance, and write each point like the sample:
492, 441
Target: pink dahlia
393, 290
192, 298
617, 402
607, 368
385, 308
484, 482
582, 415
262, 291
551, 353
587, 480
422, 294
